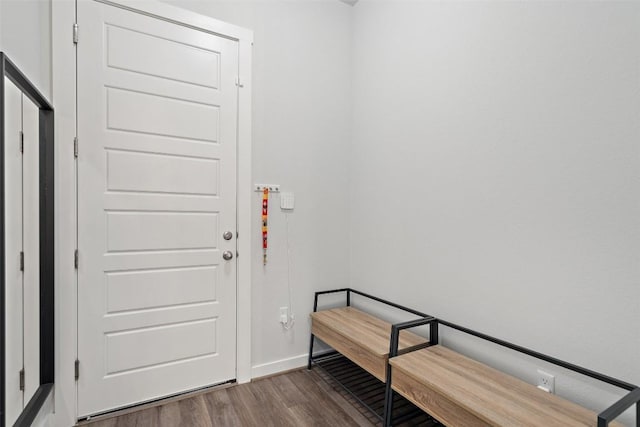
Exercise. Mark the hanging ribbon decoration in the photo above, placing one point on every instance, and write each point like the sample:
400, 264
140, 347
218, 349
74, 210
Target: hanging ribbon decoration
265, 214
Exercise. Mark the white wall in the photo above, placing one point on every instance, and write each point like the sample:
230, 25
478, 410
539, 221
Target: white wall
301, 123
495, 172
25, 36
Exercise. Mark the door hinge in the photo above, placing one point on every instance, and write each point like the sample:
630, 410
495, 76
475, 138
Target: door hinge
21, 142
238, 83
75, 147
76, 259
21, 379
76, 369
75, 32
21, 261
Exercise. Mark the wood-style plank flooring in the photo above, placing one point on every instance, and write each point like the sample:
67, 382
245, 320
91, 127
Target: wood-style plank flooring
298, 398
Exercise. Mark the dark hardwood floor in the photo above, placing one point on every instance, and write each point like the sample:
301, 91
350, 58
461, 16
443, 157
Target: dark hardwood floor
297, 398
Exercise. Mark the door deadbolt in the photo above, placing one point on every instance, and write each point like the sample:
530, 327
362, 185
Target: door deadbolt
227, 255
227, 235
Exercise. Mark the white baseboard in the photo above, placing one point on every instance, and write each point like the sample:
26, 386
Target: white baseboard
277, 366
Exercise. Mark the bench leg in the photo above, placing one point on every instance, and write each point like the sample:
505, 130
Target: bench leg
310, 352
388, 400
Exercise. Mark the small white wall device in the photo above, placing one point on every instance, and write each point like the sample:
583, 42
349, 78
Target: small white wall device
287, 201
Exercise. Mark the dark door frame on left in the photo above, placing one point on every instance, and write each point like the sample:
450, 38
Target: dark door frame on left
47, 247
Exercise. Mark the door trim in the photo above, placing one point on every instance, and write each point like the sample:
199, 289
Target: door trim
64, 95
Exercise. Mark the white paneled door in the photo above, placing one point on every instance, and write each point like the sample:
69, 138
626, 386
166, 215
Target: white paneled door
157, 120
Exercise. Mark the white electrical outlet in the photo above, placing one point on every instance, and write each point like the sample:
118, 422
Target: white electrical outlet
546, 382
284, 315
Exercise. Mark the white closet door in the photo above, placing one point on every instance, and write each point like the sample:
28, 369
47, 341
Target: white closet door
13, 247
157, 119
31, 244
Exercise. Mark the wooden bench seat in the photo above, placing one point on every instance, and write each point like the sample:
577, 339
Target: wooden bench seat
459, 391
360, 337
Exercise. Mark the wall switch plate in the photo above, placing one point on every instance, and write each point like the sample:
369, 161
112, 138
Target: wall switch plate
287, 201
546, 382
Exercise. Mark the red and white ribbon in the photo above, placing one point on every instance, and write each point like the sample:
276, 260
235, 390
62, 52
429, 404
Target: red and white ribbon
265, 229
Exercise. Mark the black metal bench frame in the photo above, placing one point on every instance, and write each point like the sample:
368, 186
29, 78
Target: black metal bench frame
604, 418
388, 395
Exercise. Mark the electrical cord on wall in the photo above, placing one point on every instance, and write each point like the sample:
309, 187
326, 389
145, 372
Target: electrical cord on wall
291, 320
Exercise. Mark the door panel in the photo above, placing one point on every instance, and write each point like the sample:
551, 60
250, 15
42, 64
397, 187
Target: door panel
157, 116
146, 347
129, 171
31, 242
133, 290
13, 247
197, 66
163, 116
129, 231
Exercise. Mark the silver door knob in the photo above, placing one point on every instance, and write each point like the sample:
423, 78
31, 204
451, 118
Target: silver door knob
227, 235
227, 255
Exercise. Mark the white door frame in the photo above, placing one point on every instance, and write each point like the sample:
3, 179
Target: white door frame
64, 100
